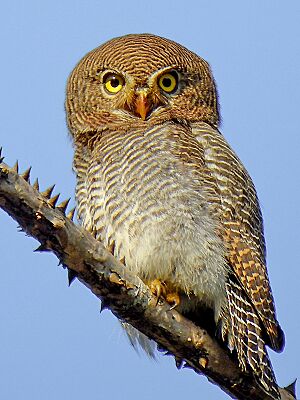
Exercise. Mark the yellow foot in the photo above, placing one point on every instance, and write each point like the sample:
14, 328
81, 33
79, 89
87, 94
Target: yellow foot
159, 289
173, 299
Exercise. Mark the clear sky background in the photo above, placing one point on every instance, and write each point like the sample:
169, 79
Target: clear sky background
54, 344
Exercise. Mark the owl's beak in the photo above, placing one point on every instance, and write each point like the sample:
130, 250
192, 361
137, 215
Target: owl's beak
142, 106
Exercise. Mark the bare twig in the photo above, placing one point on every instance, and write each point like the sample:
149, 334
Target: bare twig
124, 294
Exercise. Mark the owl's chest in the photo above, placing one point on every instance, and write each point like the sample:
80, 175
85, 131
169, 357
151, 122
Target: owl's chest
153, 205
139, 180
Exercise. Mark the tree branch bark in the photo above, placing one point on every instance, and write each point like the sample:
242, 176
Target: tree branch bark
124, 294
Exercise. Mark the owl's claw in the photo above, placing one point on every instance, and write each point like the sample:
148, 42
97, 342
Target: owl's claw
174, 299
159, 289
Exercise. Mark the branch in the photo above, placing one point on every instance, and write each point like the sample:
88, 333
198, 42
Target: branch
120, 291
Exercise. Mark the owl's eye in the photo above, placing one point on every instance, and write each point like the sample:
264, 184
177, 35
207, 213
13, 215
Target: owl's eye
113, 83
168, 82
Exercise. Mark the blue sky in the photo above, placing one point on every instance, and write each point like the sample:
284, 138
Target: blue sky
54, 344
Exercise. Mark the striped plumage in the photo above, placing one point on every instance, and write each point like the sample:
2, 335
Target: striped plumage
158, 184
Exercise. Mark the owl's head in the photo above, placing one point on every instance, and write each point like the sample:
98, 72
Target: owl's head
140, 79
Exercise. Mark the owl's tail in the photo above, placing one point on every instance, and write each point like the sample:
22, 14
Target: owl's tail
138, 340
246, 337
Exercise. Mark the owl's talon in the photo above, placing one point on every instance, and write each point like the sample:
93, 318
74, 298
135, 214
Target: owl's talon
174, 299
158, 288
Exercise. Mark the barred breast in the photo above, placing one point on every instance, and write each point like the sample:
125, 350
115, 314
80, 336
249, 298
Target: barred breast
149, 193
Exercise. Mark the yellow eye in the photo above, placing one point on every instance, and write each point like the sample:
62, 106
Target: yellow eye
113, 83
168, 82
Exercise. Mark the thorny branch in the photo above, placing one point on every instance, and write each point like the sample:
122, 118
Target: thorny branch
124, 294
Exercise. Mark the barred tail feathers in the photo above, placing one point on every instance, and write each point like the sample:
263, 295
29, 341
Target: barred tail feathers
246, 337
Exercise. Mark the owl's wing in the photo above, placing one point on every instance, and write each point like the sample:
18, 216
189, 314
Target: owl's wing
242, 226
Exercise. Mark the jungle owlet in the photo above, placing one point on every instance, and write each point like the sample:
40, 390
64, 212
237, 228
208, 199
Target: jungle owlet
158, 183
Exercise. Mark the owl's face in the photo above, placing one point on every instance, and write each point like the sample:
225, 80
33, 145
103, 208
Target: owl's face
140, 79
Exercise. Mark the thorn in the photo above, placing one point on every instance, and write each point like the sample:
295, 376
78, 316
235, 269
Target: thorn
26, 174
61, 264
47, 193
63, 205
1, 157
186, 365
292, 388
161, 349
103, 306
71, 276
179, 362
15, 168
52, 202
70, 214
41, 248
36, 185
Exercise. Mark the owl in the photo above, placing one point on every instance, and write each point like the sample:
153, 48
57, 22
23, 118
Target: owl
159, 185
